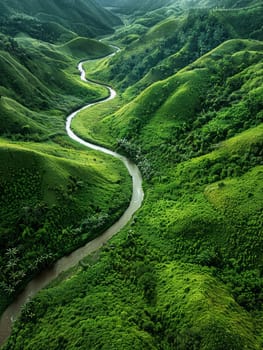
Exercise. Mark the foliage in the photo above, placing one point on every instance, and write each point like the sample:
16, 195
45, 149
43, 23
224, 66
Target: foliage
53, 200
201, 132
55, 21
186, 273
173, 43
56, 86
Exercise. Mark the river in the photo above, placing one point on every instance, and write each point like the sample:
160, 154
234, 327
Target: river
65, 263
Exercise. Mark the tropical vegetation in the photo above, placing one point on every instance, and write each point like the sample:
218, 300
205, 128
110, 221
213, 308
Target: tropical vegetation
186, 272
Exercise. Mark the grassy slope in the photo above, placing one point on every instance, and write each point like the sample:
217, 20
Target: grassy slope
206, 304
187, 273
160, 51
50, 189
191, 96
84, 18
54, 83
135, 6
131, 7
84, 47
191, 259
75, 195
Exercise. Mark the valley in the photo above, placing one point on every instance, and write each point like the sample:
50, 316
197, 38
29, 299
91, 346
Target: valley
186, 271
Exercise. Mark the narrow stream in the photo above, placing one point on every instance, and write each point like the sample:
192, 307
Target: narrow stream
65, 263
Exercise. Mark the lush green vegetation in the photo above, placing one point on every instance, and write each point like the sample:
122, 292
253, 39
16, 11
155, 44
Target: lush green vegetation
203, 205
136, 7
54, 83
139, 8
152, 53
53, 200
53, 21
54, 196
186, 273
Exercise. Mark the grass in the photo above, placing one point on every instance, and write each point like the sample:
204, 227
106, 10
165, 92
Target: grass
53, 187
191, 258
186, 273
53, 21
15, 78
84, 47
19, 119
159, 51
56, 86
46, 188
87, 124
213, 318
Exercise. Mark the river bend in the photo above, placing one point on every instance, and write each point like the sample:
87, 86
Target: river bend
65, 263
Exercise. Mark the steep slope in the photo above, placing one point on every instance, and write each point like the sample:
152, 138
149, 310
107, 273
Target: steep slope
138, 8
204, 95
195, 106
49, 193
134, 6
54, 84
155, 53
83, 17
186, 273
193, 310
53, 200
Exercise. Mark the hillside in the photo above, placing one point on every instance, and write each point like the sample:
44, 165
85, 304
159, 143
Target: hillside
139, 8
54, 84
134, 6
55, 17
186, 272
44, 181
156, 52
49, 195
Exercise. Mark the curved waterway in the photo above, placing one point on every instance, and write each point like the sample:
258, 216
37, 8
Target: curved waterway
65, 263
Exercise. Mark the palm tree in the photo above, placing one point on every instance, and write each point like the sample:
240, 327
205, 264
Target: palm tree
12, 252
9, 289
11, 264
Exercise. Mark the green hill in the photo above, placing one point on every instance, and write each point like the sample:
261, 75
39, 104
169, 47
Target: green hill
134, 6
48, 193
44, 187
197, 137
138, 8
186, 273
152, 54
204, 95
54, 84
84, 47
15, 77
32, 17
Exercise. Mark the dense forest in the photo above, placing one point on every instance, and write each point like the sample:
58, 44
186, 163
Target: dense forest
186, 272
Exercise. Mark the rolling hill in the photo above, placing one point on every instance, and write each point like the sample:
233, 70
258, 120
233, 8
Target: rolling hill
54, 84
156, 52
33, 17
39, 86
186, 272
197, 137
136, 7
49, 193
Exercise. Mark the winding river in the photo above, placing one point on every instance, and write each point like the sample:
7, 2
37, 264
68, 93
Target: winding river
48, 275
